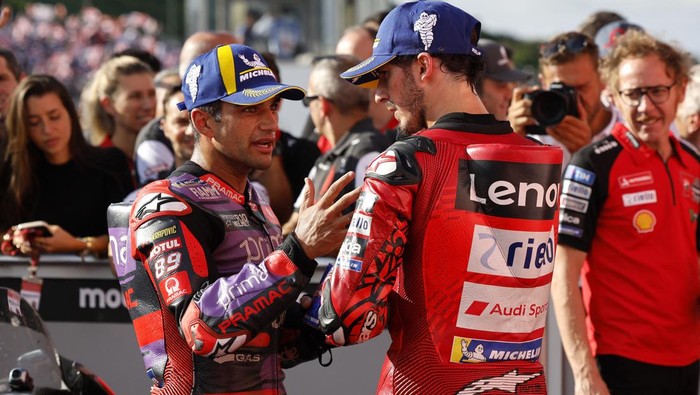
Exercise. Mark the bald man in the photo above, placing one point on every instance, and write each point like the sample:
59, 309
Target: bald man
358, 42
200, 43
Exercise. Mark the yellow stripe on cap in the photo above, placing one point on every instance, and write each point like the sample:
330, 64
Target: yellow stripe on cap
227, 68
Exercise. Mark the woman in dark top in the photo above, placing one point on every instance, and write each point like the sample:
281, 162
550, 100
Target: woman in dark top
51, 173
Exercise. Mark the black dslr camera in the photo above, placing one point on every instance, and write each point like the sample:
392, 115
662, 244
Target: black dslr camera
549, 107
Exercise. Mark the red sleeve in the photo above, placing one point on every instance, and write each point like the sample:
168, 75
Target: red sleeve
355, 294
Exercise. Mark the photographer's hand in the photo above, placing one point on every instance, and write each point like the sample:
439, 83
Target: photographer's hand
573, 132
519, 114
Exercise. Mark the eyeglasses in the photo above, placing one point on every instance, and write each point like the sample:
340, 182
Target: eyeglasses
308, 99
657, 94
574, 45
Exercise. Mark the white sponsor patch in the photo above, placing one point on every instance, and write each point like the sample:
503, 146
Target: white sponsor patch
361, 224
570, 230
639, 198
506, 383
576, 189
503, 309
13, 302
635, 180
574, 204
520, 254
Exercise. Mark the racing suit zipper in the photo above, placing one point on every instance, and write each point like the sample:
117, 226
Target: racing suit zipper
670, 180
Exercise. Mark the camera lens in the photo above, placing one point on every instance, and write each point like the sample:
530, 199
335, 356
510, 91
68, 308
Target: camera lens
549, 107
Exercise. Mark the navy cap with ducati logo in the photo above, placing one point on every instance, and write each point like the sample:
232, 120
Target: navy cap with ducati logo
434, 27
233, 73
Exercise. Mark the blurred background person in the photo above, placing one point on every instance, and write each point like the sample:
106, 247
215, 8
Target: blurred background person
595, 21
199, 43
54, 174
119, 101
164, 81
170, 145
495, 85
292, 160
688, 117
339, 111
154, 155
358, 42
141, 54
10, 75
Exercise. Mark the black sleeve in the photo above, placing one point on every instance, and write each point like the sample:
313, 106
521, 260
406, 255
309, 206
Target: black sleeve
583, 194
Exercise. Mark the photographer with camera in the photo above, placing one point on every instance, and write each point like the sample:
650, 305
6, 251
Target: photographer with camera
567, 111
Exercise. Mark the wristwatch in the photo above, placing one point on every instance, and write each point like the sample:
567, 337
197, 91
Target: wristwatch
89, 245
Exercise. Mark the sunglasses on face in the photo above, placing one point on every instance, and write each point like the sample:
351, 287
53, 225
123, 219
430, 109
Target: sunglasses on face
308, 99
574, 45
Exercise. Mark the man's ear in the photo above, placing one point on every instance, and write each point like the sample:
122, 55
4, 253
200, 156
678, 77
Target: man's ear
202, 122
326, 106
425, 65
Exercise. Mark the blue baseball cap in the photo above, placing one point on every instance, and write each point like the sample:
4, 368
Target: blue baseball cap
235, 74
434, 27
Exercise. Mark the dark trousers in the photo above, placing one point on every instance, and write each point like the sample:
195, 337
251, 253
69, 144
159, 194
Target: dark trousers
625, 376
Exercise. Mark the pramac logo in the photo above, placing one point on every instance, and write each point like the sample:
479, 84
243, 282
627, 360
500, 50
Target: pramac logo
175, 287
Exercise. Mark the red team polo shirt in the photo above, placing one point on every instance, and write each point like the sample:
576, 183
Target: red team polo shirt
636, 218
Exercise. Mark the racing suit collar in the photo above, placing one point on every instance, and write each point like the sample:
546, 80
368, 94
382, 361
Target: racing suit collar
473, 123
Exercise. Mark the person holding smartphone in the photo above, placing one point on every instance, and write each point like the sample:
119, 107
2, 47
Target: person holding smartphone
52, 174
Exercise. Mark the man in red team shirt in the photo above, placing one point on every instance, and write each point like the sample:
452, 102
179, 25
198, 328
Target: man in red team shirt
452, 241
629, 229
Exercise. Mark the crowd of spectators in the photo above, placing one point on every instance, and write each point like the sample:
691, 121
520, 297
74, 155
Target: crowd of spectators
47, 39
131, 128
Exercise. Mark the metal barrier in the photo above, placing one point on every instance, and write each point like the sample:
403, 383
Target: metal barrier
83, 307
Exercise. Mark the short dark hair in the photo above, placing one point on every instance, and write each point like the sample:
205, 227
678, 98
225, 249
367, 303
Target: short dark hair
172, 91
12, 62
213, 109
461, 66
142, 55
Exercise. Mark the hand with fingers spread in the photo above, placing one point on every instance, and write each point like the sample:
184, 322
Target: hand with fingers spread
322, 224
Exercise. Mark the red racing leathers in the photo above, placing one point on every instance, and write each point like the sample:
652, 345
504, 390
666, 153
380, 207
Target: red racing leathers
452, 245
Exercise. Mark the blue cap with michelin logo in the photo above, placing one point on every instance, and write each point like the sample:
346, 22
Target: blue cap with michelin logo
434, 27
235, 74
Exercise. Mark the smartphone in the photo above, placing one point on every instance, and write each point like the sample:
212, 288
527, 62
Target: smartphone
35, 229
